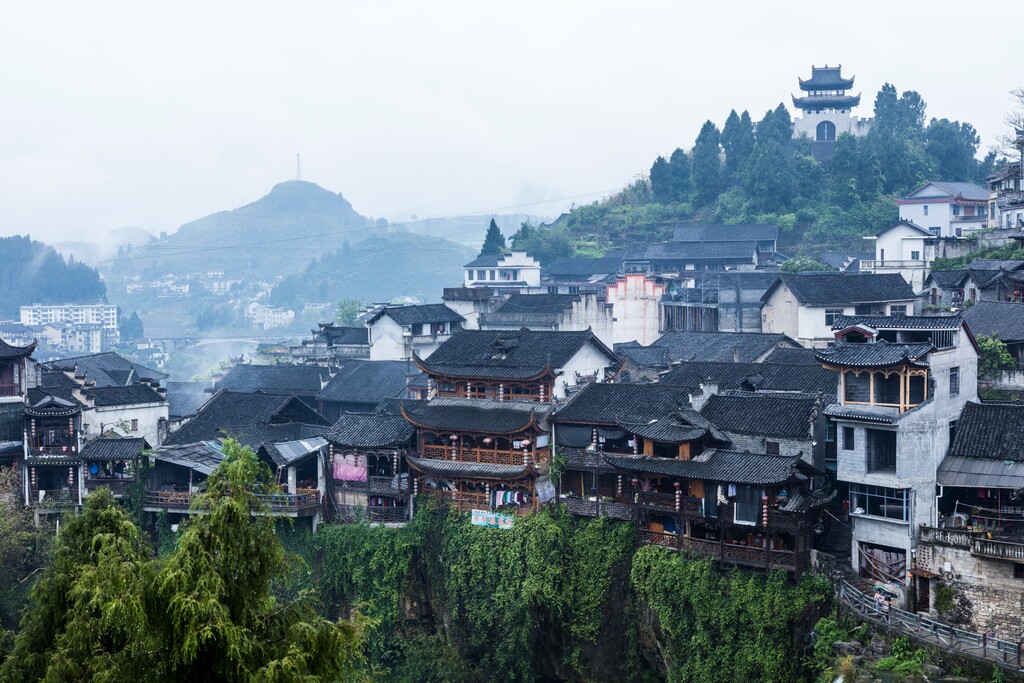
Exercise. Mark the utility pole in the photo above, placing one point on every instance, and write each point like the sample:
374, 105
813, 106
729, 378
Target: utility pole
298, 166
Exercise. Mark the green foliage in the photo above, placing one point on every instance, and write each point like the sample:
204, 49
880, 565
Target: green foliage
33, 272
903, 659
732, 627
945, 598
802, 264
829, 630
1009, 252
106, 611
998, 676
494, 241
23, 549
994, 356
131, 327
347, 313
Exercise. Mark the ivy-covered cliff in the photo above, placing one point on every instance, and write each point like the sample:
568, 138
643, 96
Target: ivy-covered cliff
558, 599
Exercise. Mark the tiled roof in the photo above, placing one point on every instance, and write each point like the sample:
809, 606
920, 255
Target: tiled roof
237, 411
965, 190
681, 251
822, 289
997, 317
995, 264
726, 233
287, 453
108, 369
721, 346
647, 356
900, 322
368, 381
490, 260
721, 466
51, 402
978, 473
538, 303
120, 396
756, 376
113, 449
185, 398
487, 416
840, 259
203, 457
879, 354
582, 267
416, 315
521, 354
274, 378
258, 435
879, 414
766, 414
454, 469
948, 279
393, 406
799, 356
608, 404
678, 427
371, 430
334, 335
826, 78
7, 351
993, 431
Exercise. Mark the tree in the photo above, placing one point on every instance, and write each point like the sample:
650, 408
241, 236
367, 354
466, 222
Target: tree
523, 235
767, 178
737, 140
131, 327
802, 264
995, 357
951, 145
706, 164
22, 548
661, 181
105, 611
679, 164
347, 313
494, 241
776, 125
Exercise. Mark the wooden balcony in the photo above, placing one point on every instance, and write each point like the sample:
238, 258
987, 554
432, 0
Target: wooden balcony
727, 553
303, 502
118, 487
490, 456
582, 459
462, 500
373, 514
53, 498
7, 390
666, 502
598, 508
392, 487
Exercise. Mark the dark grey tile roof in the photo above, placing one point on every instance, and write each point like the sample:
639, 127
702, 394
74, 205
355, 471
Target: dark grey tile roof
185, 398
334, 335
765, 414
996, 317
721, 346
417, 315
108, 369
823, 289
608, 404
975, 472
727, 233
8, 351
799, 356
840, 259
755, 376
203, 457
682, 251
900, 322
746, 281
118, 396
721, 466
567, 267
490, 260
113, 449
393, 406
965, 190
54, 379
879, 354
240, 412
878, 414
51, 402
369, 381
993, 431
488, 416
291, 379
994, 264
538, 303
521, 354
453, 469
678, 427
258, 435
948, 279
647, 356
371, 430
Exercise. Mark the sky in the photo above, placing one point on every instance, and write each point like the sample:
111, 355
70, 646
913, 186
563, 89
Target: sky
154, 114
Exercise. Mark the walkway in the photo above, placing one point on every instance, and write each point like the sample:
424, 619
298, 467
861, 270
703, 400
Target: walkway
931, 633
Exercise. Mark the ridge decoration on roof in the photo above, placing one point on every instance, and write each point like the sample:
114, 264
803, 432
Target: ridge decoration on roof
878, 354
11, 352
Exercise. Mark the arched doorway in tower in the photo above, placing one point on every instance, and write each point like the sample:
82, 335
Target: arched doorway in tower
826, 130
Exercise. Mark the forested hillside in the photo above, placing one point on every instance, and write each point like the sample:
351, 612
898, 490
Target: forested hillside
32, 272
745, 171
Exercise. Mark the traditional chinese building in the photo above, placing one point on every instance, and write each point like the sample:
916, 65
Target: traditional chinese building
826, 109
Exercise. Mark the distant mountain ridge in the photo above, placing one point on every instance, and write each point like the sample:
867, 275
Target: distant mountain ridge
280, 232
34, 273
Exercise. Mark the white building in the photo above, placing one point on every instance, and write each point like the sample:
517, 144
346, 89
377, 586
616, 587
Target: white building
397, 332
826, 109
104, 315
554, 313
516, 270
946, 209
635, 299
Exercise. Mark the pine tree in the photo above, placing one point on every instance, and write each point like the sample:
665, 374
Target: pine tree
494, 241
706, 164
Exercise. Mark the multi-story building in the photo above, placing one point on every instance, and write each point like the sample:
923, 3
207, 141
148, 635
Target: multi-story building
516, 271
826, 109
1006, 192
104, 315
946, 209
400, 332
554, 313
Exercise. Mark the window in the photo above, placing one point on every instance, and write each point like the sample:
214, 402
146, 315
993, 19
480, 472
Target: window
898, 310
956, 210
830, 431
1018, 571
481, 275
849, 442
831, 314
748, 505
881, 450
710, 499
135, 425
492, 274
954, 381
935, 230
771, 447
879, 501
952, 432
925, 209
915, 256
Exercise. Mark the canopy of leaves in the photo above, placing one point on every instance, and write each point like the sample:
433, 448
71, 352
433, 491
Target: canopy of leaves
802, 264
32, 272
494, 241
995, 357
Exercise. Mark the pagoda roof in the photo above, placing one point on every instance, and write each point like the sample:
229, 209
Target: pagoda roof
10, 352
826, 78
826, 101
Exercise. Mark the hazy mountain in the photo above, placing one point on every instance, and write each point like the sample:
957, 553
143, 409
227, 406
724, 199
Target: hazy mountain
277, 234
378, 269
34, 273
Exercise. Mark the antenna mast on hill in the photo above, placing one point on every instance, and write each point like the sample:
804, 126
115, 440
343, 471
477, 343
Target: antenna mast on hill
298, 166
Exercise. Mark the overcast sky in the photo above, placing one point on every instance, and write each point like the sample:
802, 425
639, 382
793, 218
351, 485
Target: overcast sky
154, 114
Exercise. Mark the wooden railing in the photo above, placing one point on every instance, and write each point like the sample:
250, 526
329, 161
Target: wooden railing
374, 514
61, 497
116, 486
666, 502
727, 553
390, 486
979, 646
463, 500
596, 508
302, 500
490, 456
10, 390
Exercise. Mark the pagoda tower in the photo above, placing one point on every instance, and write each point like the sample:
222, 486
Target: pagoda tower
826, 109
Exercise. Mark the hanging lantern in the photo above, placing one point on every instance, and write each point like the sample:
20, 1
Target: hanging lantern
526, 443
501, 392
618, 486
32, 476
764, 515
415, 486
454, 437
469, 388
542, 393
71, 476
679, 496
488, 440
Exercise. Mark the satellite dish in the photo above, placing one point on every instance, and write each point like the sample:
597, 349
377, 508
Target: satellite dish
819, 528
